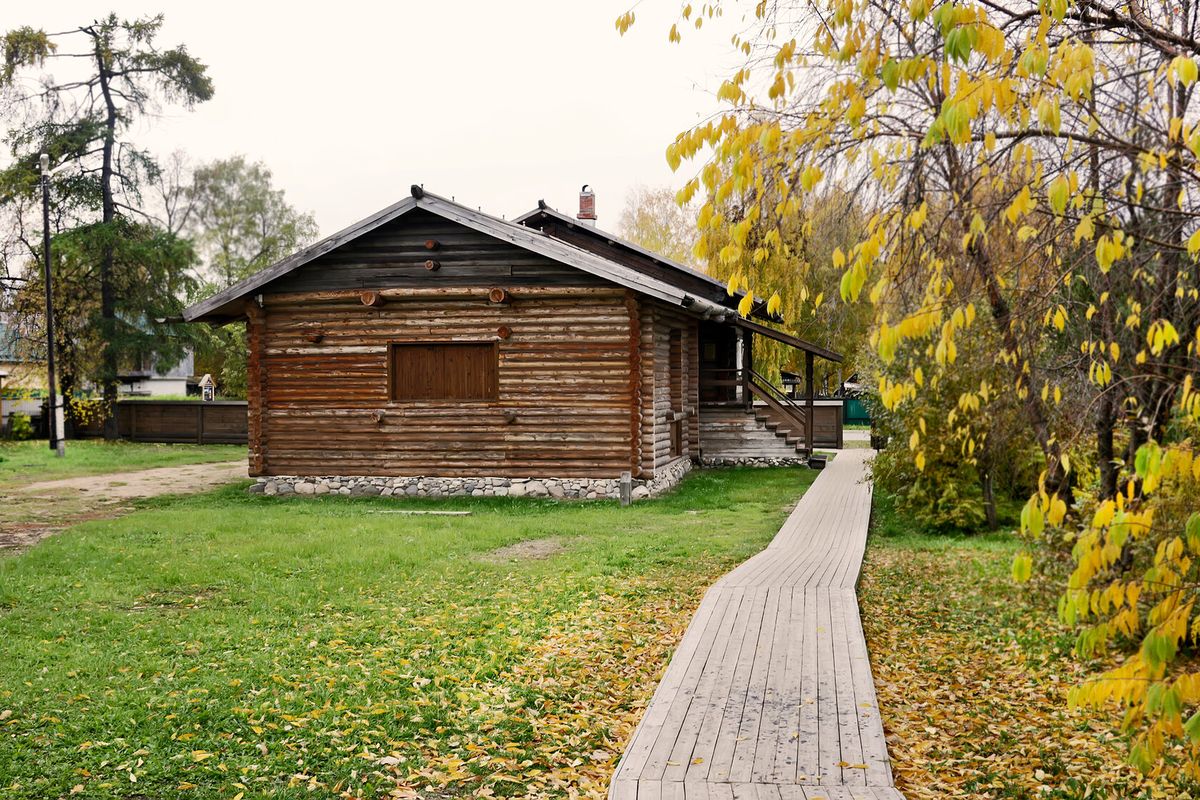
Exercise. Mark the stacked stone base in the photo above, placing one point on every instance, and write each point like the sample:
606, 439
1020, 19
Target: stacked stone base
558, 488
728, 461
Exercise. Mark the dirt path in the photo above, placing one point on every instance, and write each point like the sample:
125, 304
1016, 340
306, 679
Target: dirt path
32, 512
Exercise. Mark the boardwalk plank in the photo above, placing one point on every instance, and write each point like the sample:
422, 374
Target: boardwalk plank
829, 753
719, 700
643, 739
720, 791
771, 687
874, 742
693, 670
731, 724
711, 690
760, 693
808, 766
848, 709
622, 790
781, 720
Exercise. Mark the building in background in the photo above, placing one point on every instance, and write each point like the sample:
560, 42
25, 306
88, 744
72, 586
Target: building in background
22, 379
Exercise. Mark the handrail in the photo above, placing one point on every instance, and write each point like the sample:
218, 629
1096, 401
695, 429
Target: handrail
774, 404
776, 399
779, 393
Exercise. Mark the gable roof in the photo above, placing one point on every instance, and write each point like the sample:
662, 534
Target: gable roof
226, 304
694, 278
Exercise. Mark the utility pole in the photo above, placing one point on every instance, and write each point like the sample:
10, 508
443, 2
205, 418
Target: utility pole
56, 441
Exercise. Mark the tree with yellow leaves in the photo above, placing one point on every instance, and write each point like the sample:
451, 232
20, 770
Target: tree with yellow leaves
1030, 172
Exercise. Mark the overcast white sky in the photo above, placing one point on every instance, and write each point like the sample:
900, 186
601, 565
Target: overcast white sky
498, 103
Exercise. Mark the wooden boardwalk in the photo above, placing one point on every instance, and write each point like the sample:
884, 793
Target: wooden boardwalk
769, 695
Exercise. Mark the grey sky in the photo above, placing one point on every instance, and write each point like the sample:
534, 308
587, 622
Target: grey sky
496, 103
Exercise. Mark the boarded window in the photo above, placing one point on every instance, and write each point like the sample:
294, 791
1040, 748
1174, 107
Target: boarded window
445, 371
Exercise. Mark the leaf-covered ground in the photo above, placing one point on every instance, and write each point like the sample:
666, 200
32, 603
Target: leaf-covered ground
232, 646
973, 672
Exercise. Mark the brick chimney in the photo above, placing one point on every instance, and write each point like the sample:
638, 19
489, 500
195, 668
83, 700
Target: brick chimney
587, 206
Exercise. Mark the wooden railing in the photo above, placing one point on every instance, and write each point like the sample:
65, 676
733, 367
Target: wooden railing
779, 402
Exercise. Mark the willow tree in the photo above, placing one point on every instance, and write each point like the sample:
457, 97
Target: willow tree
651, 218
110, 74
1030, 167
241, 224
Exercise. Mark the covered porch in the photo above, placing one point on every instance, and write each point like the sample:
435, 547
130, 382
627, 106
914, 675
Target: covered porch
743, 415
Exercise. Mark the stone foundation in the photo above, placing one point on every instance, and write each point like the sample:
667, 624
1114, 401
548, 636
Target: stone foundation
728, 461
558, 488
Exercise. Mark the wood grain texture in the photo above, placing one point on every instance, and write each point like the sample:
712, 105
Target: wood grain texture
670, 387
255, 385
770, 694
564, 372
635, 384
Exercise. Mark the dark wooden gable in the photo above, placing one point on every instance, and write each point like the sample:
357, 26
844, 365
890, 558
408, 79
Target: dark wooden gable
596, 242
397, 255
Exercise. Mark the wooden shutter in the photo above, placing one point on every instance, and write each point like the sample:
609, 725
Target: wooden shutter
445, 371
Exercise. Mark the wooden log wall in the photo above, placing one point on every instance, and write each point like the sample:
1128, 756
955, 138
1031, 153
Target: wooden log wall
657, 322
255, 379
565, 400
635, 384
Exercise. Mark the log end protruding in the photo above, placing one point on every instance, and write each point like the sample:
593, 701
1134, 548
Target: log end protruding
499, 295
372, 298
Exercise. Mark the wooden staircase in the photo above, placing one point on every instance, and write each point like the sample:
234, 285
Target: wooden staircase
769, 425
779, 413
789, 429
729, 430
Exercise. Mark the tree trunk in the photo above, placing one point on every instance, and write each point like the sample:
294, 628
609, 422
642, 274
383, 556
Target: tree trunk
989, 500
1057, 480
108, 293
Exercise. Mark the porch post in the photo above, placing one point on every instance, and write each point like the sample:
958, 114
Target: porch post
747, 365
808, 402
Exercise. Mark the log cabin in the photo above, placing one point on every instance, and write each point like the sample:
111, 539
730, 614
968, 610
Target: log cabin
431, 339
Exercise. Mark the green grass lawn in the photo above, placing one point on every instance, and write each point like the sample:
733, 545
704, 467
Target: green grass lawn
230, 645
973, 670
30, 462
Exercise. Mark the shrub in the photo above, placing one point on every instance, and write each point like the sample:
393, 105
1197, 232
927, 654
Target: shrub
20, 427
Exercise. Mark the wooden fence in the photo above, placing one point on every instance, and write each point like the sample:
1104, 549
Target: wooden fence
176, 421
